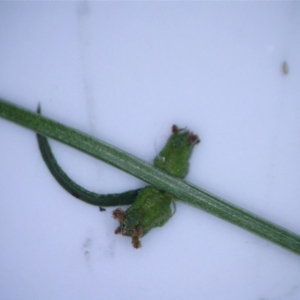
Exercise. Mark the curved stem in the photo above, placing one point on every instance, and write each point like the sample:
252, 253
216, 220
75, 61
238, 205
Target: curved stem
183, 190
76, 190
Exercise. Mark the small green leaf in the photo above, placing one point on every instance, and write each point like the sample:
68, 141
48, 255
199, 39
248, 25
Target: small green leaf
152, 206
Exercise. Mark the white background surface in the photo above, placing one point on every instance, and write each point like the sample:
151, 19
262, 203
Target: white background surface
125, 72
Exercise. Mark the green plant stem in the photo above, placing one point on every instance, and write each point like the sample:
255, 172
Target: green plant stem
183, 190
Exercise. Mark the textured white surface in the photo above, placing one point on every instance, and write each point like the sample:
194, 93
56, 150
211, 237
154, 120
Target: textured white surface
125, 72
